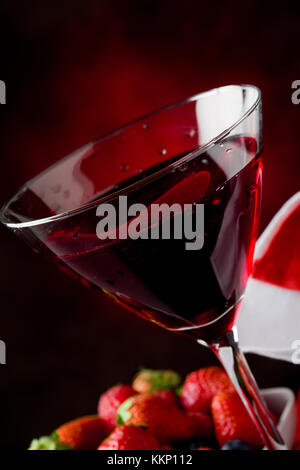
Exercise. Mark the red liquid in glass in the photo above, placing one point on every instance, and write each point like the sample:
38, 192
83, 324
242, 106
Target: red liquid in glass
160, 280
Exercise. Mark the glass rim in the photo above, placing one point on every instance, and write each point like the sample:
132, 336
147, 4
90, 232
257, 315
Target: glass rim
83, 207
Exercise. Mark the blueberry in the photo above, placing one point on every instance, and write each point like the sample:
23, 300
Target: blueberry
236, 445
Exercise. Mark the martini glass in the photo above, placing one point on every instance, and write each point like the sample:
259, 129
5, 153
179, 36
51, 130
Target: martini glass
202, 151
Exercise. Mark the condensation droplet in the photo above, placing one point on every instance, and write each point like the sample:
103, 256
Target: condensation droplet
162, 151
138, 170
146, 126
221, 144
124, 167
191, 133
204, 160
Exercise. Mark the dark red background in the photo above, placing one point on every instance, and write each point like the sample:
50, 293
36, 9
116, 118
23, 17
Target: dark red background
75, 70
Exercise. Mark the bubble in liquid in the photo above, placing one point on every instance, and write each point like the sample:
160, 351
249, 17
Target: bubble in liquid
146, 126
124, 167
191, 133
162, 151
204, 160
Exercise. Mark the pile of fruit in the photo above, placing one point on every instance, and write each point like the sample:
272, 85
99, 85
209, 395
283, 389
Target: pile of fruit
158, 412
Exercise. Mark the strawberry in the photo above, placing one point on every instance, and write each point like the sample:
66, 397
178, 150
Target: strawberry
205, 422
164, 420
130, 438
80, 434
232, 422
201, 385
167, 395
148, 380
162, 383
110, 401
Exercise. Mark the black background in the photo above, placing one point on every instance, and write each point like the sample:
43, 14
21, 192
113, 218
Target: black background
75, 70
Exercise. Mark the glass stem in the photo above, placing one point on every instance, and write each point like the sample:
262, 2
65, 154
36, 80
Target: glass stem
228, 352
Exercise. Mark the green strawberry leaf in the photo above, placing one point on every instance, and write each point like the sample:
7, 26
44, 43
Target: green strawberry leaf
123, 413
48, 443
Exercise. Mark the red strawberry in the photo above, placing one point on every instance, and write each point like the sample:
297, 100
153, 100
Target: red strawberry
80, 434
130, 438
164, 420
201, 385
110, 401
232, 421
167, 395
148, 380
205, 422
